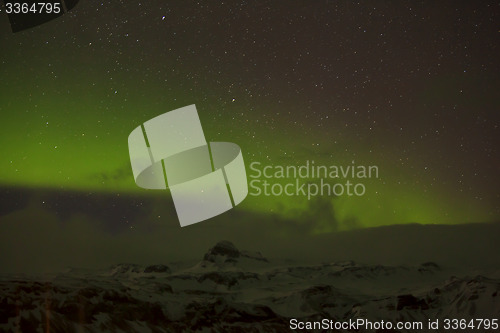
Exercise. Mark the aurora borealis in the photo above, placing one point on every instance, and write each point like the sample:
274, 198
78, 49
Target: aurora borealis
409, 87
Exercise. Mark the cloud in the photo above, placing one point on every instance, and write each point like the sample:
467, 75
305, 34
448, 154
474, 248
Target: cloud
122, 173
39, 237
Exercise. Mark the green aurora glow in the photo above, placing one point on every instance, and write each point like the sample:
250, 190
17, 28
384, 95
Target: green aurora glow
69, 101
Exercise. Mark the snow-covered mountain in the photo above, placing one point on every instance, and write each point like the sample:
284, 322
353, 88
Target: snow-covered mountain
230, 290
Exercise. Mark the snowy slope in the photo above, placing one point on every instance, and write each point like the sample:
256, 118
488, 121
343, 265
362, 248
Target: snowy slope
230, 290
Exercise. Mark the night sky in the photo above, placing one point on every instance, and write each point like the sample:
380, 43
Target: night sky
411, 87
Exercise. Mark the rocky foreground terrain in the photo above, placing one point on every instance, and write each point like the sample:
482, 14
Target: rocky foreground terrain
237, 291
